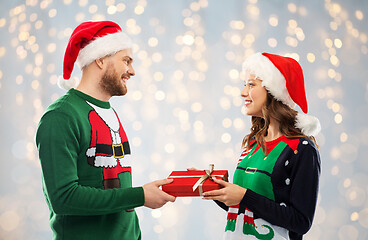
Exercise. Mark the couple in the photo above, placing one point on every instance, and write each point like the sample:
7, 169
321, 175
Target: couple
85, 153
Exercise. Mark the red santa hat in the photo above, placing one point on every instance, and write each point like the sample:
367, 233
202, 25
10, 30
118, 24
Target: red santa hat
284, 80
88, 42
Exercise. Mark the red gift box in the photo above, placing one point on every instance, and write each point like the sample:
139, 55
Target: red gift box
193, 183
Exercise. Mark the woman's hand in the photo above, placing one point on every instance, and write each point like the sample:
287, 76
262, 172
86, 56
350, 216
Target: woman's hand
230, 194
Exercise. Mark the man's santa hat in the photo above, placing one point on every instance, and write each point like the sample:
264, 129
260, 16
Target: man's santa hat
283, 78
88, 42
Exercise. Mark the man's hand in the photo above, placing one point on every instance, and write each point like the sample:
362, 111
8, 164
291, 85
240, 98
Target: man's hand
155, 197
231, 194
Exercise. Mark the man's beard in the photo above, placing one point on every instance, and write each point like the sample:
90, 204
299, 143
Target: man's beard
111, 83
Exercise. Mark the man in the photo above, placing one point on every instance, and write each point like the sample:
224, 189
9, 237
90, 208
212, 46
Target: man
83, 149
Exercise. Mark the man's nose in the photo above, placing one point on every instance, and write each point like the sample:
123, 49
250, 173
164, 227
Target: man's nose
131, 71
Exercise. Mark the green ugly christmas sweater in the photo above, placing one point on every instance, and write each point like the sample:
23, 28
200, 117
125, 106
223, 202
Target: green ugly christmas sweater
86, 170
282, 189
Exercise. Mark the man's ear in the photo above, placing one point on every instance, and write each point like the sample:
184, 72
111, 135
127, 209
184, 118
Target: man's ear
100, 62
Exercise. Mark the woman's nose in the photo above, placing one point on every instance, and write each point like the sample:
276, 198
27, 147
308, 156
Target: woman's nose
244, 92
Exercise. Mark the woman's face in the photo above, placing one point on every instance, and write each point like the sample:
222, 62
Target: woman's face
255, 96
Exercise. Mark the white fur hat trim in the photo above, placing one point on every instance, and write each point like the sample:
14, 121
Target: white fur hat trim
103, 46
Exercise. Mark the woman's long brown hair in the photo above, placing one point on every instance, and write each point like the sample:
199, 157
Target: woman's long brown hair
280, 112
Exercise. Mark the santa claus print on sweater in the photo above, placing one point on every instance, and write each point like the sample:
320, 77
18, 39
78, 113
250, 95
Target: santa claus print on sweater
109, 146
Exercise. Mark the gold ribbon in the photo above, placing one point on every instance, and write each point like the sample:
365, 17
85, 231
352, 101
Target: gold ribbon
203, 178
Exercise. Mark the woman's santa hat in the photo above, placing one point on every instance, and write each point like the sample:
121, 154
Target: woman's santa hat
283, 78
88, 42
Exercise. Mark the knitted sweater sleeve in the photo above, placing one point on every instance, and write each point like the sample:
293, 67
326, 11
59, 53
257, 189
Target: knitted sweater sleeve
297, 216
57, 141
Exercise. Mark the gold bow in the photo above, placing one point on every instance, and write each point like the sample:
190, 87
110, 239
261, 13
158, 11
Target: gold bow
203, 178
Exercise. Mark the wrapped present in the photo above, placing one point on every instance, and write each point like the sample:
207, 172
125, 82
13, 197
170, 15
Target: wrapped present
194, 183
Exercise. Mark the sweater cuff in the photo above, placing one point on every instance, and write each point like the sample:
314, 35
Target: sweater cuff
249, 199
133, 197
139, 195
222, 205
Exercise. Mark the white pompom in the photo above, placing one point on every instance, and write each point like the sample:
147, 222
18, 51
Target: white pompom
68, 83
309, 125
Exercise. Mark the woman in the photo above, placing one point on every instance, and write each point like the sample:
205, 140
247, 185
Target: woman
275, 186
